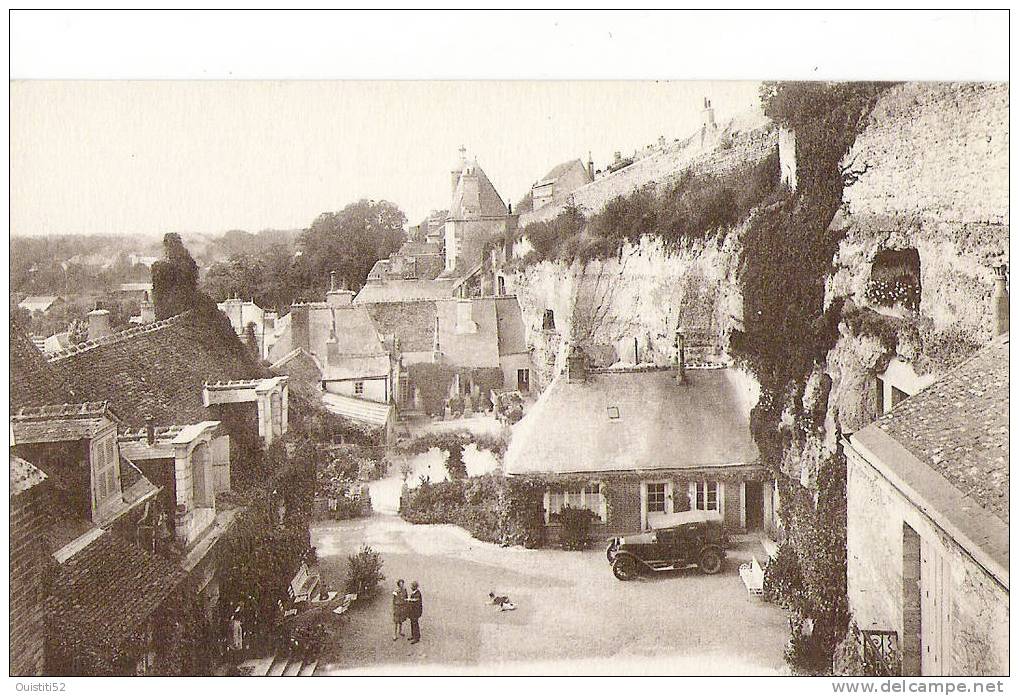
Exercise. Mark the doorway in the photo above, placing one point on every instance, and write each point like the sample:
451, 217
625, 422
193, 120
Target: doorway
524, 381
754, 505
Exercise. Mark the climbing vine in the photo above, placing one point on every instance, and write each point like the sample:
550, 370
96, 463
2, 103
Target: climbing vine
787, 258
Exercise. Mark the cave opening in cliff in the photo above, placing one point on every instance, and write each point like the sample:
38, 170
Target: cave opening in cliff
895, 279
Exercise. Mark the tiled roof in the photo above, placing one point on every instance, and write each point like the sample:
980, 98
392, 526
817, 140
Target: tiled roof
407, 290
38, 303
33, 381
958, 426
413, 323
107, 590
159, 369
659, 424
24, 475
359, 410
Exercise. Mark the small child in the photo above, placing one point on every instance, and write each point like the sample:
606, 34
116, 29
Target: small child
502, 602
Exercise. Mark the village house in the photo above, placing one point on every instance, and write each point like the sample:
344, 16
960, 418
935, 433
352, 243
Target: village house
195, 405
93, 512
561, 180
633, 445
357, 373
414, 260
254, 326
927, 540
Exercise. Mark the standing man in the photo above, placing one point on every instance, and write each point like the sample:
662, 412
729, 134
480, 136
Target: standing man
414, 607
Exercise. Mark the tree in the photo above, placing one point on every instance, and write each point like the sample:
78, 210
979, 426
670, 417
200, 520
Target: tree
174, 279
350, 242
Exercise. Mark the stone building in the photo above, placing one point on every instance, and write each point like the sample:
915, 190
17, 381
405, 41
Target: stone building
477, 214
927, 541
27, 566
560, 181
635, 445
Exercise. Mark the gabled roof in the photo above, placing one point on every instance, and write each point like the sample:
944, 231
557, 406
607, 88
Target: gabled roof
560, 169
38, 303
659, 425
159, 369
33, 381
413, 323
107, 591
24, 475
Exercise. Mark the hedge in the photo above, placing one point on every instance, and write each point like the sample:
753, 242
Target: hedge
493, 508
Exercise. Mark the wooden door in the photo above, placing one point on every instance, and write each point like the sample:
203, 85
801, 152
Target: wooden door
935, 620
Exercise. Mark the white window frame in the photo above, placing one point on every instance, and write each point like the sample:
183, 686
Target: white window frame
694, 486
104, 457
565, 491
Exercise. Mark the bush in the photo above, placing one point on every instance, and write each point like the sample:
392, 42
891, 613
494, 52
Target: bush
492, 508
364, 572
509, 407
575, 523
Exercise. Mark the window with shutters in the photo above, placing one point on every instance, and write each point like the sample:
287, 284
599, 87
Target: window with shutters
105, 466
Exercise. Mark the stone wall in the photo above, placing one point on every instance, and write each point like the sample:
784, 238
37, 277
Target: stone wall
979, 606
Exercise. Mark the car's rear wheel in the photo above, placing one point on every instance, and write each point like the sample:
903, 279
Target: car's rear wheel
625, 567
710, 561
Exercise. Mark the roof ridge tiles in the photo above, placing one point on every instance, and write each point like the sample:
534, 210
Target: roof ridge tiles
117, 337
51, 411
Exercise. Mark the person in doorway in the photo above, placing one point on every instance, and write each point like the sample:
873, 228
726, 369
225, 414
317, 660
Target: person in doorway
399, 609
414, 610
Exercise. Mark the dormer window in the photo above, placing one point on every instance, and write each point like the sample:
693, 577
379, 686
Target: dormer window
613, 412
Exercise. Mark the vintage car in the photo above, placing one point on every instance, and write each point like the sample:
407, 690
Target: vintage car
680, 540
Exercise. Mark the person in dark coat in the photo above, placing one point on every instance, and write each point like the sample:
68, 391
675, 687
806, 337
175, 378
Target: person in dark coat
414, 610
399, 609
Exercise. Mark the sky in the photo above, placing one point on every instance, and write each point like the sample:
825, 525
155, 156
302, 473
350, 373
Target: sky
146, 158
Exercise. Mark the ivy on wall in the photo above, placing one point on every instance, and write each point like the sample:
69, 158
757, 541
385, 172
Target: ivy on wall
787, 257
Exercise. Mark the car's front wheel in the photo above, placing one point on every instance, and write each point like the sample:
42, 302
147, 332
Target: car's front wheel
710, 561
625, 567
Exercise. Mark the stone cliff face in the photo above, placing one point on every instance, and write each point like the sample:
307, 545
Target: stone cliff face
934, 162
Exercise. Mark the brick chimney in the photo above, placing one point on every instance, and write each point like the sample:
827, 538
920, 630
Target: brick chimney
576, 365
999, 300
680, 358
98, 324
338, 295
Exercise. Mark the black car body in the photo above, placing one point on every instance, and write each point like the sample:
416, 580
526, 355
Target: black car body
682, 540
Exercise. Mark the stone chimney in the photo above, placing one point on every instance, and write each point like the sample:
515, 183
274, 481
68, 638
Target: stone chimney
148, 311
98, 324
338, 296
590, 166
576, 365
708, 115
680, 358
999, 300
150, 430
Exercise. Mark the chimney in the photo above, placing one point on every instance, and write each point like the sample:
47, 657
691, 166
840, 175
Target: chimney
98, 324
680, 358
999, 300
576, 365
150, 430
148, 311
338, 295
590, 166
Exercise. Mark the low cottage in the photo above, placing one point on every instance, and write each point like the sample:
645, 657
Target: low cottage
634, 445
927, 523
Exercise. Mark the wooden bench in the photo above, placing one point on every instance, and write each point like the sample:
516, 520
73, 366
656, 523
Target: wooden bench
752, 575
304, 584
